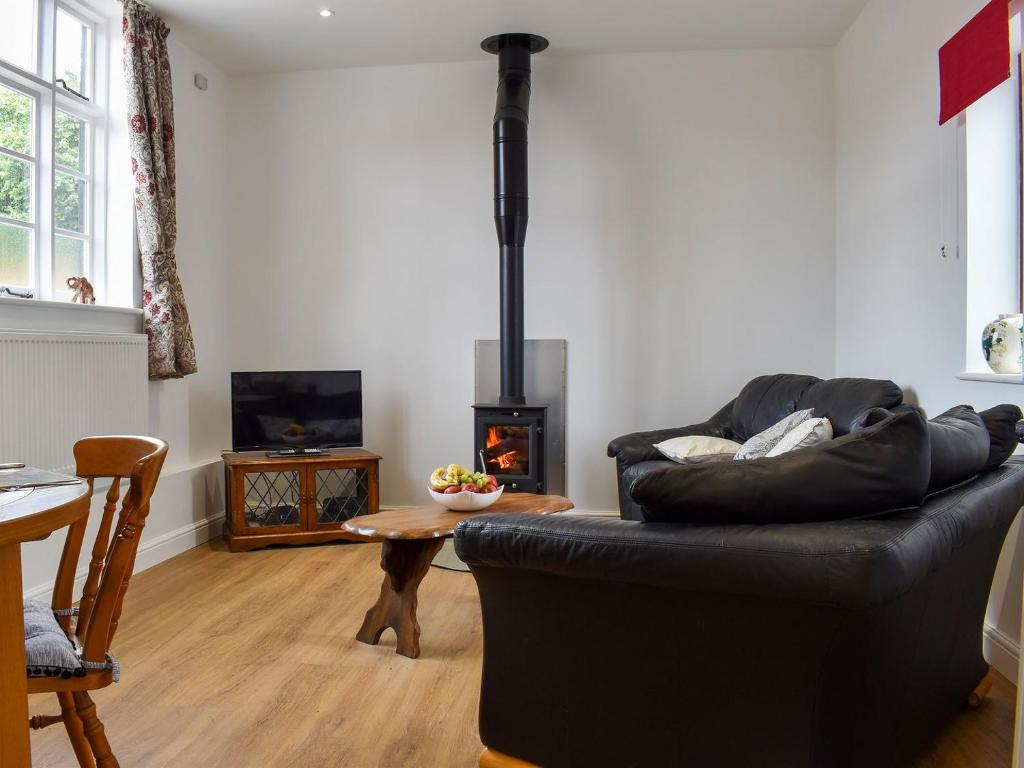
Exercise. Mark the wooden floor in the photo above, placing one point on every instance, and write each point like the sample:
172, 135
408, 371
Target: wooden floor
249, 660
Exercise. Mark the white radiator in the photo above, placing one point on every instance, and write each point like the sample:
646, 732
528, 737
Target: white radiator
58, 387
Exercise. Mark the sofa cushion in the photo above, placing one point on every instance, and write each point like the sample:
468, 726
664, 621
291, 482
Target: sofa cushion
845, 402
682, 449
1001, 423
881, 467
49, 652
765, 400
761, 443
959, 447
803, 435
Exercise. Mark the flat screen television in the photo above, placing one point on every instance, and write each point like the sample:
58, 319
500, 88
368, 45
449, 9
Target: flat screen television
289, 409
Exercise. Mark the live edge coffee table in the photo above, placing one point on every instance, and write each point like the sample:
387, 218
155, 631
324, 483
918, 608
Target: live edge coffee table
411, 539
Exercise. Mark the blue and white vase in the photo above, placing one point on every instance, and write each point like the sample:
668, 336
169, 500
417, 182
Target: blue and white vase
1002, 342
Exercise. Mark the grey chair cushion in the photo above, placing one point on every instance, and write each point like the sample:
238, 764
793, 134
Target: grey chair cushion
49, 652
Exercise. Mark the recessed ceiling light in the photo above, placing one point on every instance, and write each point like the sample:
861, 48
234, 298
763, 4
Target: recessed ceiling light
326, 13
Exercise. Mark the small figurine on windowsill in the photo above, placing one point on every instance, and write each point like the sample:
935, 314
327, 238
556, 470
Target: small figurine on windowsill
83, 290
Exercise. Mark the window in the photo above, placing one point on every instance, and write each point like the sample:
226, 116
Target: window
53, 122
990, 213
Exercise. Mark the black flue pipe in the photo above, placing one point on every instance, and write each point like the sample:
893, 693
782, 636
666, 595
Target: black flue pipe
511, 201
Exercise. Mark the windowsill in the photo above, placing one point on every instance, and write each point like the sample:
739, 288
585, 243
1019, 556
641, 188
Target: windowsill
995, 378
42, 315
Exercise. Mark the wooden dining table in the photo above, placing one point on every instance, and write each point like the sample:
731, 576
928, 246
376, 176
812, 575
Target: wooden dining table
25, 515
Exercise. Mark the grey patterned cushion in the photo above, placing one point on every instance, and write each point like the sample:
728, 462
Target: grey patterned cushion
49, 652
759, 445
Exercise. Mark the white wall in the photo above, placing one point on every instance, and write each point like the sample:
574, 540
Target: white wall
681, 238
191, 414
900, 306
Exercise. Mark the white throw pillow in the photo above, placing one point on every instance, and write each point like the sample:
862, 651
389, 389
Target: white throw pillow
682, 448
803, 435
762, 442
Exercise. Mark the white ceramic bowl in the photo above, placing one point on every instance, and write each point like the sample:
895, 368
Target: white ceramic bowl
466, 501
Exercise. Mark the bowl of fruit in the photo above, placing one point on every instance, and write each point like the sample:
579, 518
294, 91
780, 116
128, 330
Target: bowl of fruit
462, 490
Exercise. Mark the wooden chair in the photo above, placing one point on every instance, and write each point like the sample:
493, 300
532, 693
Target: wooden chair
113, 559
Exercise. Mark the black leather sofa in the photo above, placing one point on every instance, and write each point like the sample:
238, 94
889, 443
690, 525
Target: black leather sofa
761, 403
834, 644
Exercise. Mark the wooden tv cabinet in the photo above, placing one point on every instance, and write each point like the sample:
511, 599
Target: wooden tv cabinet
297, 500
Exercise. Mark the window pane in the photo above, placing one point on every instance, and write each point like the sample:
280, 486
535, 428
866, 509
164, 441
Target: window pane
69, 203
70, 140
18, 33
15, 188
15, 255
73, 52
68, 261
16, 120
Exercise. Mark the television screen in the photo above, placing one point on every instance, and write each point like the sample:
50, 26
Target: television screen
287, 409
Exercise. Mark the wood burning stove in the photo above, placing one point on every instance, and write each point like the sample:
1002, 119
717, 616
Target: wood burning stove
510, 435
510, 444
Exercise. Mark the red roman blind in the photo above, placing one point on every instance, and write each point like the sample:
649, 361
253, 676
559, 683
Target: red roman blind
975, 60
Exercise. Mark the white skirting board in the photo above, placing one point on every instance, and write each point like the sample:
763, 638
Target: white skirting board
187, 510
152, 552
1001, 652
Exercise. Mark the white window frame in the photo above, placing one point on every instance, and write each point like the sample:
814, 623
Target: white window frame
974, 300
49, 97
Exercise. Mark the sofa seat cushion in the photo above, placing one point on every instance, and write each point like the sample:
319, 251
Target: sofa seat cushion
881, 467
49, 652
960, 446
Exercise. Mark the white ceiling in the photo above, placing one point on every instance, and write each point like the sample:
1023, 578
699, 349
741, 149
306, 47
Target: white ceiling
244, 36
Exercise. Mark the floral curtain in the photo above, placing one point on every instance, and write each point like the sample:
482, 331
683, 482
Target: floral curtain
147, 72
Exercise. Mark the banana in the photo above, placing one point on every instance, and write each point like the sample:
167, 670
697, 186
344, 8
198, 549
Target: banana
455, 471
439, 480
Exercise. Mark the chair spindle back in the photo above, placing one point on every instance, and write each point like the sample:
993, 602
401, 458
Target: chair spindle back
139, 459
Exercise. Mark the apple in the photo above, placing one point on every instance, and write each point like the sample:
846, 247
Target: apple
471, 487
492, 480
490, 488
452, 489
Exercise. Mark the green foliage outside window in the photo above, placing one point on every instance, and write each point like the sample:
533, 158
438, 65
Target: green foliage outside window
16, 133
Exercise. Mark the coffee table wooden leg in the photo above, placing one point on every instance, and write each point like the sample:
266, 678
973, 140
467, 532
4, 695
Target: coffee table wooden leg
405, 563
14, 746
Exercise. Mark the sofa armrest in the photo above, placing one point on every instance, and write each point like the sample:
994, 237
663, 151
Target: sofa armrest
639, 446
853, 563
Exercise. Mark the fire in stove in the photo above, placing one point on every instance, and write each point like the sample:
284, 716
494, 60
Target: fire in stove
507, 449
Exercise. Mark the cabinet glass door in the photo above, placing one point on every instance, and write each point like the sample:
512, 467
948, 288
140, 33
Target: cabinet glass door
340, 495
272, 499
